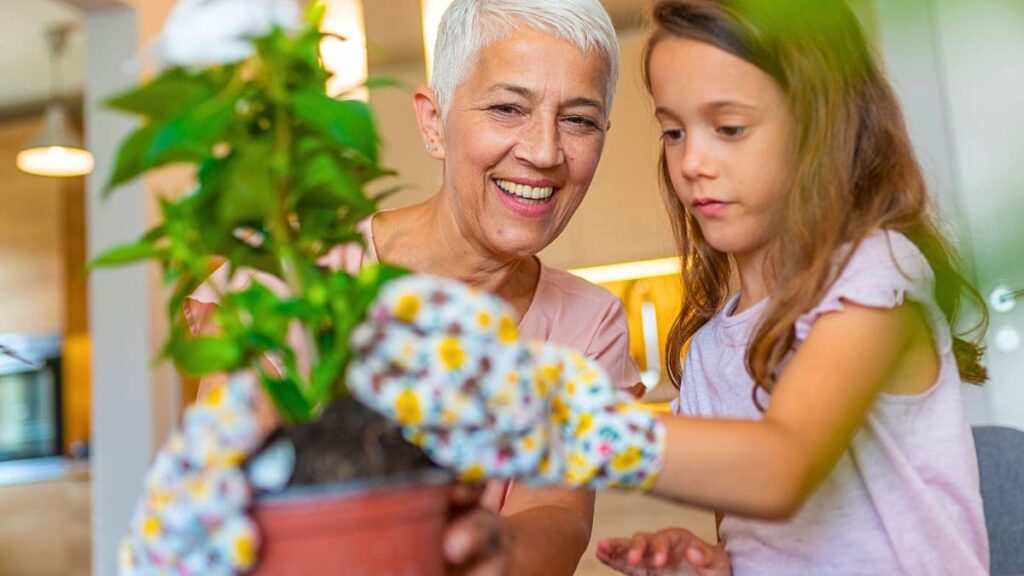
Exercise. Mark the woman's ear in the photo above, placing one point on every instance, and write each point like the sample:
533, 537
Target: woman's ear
428, 116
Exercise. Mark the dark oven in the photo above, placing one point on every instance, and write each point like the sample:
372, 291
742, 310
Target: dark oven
30, 397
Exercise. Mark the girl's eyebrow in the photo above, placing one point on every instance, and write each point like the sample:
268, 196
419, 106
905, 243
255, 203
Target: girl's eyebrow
711, 107
717, 105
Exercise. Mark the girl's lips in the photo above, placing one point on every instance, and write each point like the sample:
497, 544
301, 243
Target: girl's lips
710, 207
523, 206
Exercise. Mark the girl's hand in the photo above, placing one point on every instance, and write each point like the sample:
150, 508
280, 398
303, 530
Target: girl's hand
668, 552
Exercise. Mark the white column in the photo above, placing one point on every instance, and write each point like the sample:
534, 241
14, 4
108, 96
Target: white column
132, 404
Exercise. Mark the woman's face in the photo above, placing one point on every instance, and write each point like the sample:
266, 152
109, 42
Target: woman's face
522, 139
728, 137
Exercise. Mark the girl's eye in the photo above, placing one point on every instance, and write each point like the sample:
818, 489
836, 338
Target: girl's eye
732, 131
672, 136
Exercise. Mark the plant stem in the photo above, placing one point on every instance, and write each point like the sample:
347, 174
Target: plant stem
280, 226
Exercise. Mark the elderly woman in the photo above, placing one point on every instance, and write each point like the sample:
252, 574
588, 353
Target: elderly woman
517, 114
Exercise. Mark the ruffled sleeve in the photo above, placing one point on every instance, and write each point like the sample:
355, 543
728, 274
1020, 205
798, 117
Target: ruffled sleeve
885, 271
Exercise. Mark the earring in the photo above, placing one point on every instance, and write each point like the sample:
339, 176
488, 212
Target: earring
431, 148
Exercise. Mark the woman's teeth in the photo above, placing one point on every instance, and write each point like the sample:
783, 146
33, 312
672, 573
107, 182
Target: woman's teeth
525, 192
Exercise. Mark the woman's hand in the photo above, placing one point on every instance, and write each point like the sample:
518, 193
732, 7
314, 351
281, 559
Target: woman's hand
668, 552
473, 540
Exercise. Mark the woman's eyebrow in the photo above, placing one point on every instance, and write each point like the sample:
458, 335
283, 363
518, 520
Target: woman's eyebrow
531, 95
515, 89
582, 101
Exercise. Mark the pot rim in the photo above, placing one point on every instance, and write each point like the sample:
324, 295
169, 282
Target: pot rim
417, 478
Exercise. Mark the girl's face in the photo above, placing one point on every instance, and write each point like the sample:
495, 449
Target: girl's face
728, 137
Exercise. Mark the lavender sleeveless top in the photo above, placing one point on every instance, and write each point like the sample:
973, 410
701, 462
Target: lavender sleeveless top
904, 498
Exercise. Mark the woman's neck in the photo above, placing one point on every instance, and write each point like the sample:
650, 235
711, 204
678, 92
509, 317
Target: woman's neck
425, 237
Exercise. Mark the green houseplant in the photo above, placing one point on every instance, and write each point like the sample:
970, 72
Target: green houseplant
281, 171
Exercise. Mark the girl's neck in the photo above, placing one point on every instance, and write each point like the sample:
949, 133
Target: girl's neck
753, 287
425, 237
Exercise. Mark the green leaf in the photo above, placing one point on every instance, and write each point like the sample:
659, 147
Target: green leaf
206, 354
129, 163
375, 82
125, 254
325, 378
324, 179
347, 122
374, 276
286, 394
247, 194
164, 95
192, 133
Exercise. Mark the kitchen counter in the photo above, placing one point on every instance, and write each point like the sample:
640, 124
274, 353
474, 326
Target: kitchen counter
42, 470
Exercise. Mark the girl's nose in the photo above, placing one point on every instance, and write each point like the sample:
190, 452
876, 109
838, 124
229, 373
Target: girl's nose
541, 145
693, 165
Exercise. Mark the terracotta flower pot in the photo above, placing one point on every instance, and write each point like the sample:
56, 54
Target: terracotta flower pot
355, 530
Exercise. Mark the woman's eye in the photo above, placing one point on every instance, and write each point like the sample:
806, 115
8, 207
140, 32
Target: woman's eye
582, 121
506, 109
732, 131
672, 136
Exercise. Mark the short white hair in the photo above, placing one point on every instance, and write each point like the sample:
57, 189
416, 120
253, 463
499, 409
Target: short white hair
467, 26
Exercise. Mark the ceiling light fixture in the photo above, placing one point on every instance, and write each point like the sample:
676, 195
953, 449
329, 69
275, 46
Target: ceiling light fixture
57, 150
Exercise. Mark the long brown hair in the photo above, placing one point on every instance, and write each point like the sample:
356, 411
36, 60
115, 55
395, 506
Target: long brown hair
854, 173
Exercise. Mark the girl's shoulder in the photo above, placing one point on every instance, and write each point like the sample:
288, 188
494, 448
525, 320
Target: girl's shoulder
884, 253
883, 270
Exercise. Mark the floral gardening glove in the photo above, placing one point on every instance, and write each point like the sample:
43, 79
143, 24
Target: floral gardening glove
192, 516
446, 362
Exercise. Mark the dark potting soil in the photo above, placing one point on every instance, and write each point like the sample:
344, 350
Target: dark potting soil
351, 442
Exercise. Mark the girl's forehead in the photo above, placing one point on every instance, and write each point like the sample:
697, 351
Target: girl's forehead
688, 69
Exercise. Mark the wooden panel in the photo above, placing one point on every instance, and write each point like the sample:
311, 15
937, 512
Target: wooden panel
44, 530
31, 267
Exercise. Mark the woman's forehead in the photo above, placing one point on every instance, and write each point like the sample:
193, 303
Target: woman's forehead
528, 61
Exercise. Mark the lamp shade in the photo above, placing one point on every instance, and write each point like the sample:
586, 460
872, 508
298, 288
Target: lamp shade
56, 150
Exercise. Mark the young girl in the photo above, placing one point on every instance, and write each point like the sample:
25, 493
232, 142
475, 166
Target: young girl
841, 444
820, 410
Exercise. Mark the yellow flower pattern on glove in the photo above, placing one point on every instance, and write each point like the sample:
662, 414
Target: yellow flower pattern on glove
192, 517
407, 409
484, 403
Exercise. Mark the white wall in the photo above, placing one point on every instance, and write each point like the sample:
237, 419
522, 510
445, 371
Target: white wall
982, 49
959, 70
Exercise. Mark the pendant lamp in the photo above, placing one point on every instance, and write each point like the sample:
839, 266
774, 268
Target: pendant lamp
57, 150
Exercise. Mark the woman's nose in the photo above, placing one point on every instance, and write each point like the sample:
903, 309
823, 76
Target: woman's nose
541, 145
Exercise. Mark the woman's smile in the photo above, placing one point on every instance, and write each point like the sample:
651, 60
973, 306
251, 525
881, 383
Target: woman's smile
529, 198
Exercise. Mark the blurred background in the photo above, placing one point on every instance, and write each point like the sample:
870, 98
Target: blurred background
78, 426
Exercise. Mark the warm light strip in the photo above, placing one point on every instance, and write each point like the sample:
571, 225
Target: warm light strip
346, 60
433, 10
629, 270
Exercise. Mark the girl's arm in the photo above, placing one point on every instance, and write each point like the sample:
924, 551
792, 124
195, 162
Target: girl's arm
768, 468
